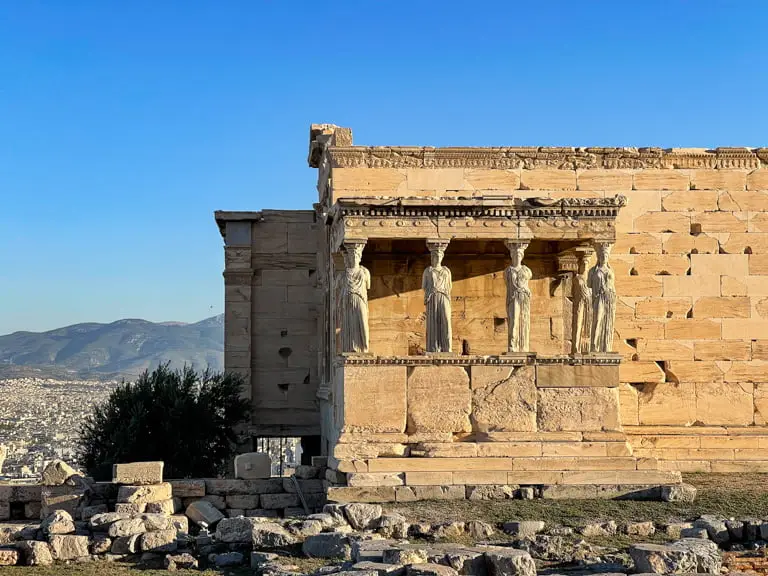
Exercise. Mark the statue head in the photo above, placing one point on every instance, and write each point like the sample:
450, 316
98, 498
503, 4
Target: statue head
353, 253
436, 257
516, 252
602, 251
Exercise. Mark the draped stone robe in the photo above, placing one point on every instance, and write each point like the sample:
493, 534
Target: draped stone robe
353, 305
601, 282
582, 315
518, 307
437, 284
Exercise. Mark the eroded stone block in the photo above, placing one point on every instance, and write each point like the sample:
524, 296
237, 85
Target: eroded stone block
503, 399
578, 376
578, 409
138, 473
667, 403
152, 493
439, 399
374, 399
253, 466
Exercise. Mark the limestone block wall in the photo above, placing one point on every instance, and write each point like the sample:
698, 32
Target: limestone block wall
691, 263
272, 278
443, 429
475, 402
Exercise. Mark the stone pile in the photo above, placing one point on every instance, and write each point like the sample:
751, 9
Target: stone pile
136, 489
20, 502
77, 524
360, 539
267, 497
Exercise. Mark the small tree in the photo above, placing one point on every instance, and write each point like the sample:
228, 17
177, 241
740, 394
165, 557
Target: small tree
183, 417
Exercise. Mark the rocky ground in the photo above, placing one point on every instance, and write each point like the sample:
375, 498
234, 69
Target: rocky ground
368, 540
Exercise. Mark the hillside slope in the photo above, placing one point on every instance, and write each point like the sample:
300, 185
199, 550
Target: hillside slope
125, 347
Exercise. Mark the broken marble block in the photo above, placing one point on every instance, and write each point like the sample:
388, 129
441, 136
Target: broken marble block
138, 473
253, 465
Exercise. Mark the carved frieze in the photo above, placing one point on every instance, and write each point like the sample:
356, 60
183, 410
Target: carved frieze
529, 158
503, 360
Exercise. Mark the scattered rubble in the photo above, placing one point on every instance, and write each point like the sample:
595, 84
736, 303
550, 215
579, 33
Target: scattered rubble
84, 521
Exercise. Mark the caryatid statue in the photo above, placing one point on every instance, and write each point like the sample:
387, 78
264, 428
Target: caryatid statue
353, 285
582, 309
517, 275
601, 283
437, 283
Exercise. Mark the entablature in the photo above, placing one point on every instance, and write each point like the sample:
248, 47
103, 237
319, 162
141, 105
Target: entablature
488, 217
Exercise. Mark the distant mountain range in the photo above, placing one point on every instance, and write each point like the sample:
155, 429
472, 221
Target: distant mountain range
121, 349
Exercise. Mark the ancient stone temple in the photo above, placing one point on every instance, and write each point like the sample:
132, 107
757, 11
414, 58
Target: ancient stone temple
458, 321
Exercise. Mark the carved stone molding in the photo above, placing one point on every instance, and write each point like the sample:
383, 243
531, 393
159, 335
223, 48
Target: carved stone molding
500, 360
359, 228
437, 244
601, 208
564, 158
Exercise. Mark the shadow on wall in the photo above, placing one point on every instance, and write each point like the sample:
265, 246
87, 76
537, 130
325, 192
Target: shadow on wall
396, 300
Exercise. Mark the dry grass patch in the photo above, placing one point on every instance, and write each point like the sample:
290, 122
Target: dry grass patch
730, 495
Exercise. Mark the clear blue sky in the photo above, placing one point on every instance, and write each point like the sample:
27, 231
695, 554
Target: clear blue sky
125, 124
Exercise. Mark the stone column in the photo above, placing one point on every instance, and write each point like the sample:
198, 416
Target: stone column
567, 266
581, 298
516, 276
352, 287
601, 282
437, 283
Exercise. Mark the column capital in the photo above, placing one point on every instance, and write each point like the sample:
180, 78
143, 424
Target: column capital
354, 242
511, 243
570, 260
437, 244
603, 249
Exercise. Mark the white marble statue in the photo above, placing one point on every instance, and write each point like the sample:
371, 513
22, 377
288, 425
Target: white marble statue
436, 283
354, 282
517, 276
582, 310
601, 283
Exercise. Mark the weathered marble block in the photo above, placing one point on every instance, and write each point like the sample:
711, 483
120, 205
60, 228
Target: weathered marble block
503, 399
374, 398
578, 409
253, 466
439, 399
138, 473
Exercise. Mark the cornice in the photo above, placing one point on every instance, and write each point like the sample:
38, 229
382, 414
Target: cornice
545, 157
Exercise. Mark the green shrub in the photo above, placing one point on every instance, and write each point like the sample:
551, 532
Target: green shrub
183, 417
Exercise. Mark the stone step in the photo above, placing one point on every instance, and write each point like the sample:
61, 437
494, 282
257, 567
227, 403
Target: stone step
496, 464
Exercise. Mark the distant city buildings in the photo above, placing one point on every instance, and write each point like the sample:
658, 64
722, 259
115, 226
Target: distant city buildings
40, 420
